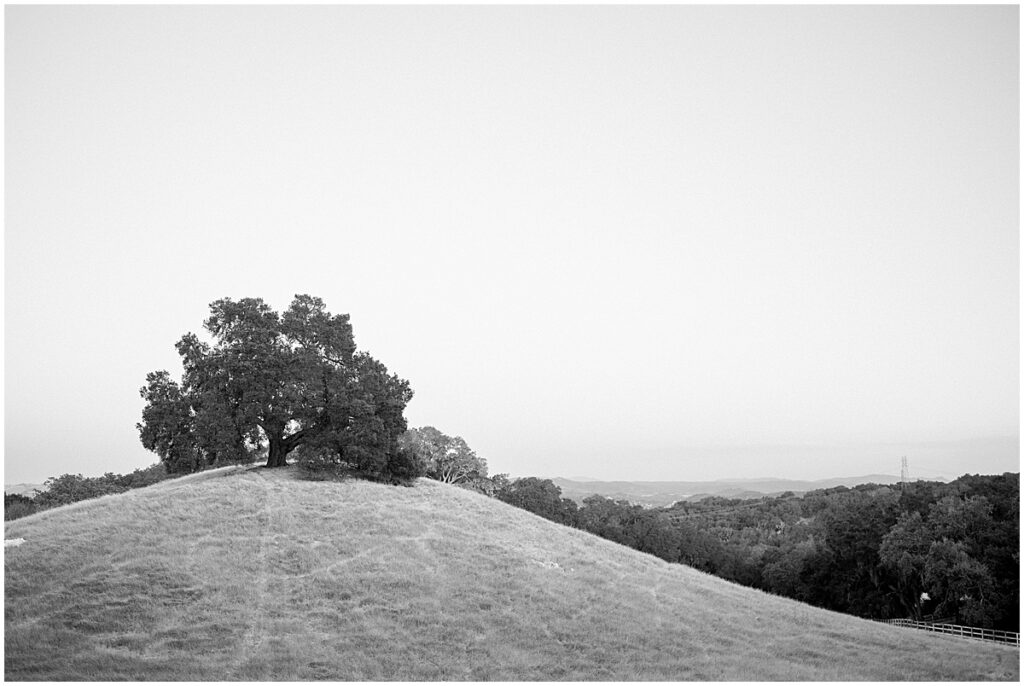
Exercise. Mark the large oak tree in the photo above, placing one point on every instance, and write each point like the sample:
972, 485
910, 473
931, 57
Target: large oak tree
270, 382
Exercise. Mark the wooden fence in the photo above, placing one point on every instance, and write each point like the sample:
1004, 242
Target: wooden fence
1010, 637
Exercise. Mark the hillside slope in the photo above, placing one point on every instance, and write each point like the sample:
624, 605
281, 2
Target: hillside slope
255, 575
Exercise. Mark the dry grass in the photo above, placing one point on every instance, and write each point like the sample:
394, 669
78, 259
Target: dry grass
257, 576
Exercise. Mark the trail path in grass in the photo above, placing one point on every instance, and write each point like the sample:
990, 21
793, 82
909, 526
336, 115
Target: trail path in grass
257, 609
254, 575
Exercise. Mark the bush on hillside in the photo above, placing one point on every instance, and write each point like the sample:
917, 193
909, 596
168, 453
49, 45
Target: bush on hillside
403, 468
71, 488
317, 463
140, 478
480, 484
541, 497
17, 506
320, 463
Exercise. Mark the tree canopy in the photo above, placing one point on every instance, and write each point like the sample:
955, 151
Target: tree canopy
541, 497
444, 458
269, 383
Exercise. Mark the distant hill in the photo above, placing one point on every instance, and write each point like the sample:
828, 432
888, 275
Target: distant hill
254, 575
664, 493
22, 489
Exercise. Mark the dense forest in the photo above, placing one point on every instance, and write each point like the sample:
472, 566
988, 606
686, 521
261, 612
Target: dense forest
925, 550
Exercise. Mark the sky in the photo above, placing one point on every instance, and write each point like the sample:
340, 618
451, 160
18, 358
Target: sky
648, 243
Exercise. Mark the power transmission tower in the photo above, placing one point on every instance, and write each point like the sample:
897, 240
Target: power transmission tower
904, 473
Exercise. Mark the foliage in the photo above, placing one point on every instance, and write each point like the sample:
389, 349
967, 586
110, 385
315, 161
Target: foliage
319, 464
539, 496
489, 486
269, 383
445, 458
479, 484
71, 488
166, 426
649, 531
904, 552
959, 554
500, 482
142, 477
402, 468
17, 506
852, 534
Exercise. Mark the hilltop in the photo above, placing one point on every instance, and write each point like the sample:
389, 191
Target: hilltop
255, 575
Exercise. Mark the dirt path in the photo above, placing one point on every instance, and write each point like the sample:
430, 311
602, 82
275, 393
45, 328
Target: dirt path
254, 637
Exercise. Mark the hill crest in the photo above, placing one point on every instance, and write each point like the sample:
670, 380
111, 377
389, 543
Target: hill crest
252, 574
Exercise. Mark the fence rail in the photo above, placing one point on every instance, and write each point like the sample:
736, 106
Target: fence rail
1009, 637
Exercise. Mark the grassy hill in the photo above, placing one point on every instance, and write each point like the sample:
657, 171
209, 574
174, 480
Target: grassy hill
255, 575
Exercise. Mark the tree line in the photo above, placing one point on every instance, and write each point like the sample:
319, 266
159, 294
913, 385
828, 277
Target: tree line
926, 550
71, 488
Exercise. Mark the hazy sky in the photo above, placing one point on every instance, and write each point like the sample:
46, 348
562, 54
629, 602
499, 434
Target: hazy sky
660, 242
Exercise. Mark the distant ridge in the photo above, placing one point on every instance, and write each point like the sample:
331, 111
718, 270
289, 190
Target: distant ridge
22, 489
663, 493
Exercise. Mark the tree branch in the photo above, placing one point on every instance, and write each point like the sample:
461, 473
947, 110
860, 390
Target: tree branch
295, 440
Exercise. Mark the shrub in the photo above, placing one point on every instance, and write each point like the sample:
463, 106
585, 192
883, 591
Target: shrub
17, 506
70, 488
399, 467
140, 478
319, 463
541, 497
403, 467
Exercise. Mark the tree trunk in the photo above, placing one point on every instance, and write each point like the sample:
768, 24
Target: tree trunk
278, 452
280, 447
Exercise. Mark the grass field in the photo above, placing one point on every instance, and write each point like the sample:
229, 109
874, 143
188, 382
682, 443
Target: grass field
255, 575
